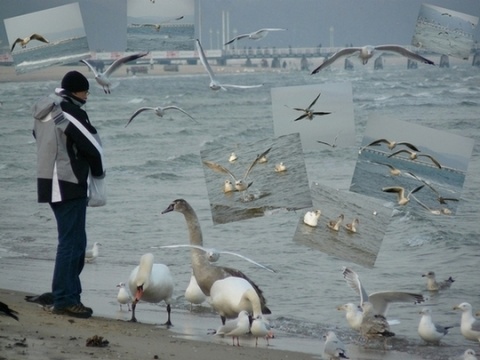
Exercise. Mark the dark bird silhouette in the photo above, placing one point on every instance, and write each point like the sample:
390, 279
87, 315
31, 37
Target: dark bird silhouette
7, 311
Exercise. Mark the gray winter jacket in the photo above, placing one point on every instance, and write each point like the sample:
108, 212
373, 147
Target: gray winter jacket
64, 154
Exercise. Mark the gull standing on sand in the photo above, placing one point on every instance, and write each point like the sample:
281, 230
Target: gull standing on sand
151, 283
308, 113
92, 254
334, 348
193, 293
414, 156
256, 35
24, 41
240, 184
433, 285
470, 327
380, 300
261, 328
103, 78
229, 289
374, 325
159, 111
235, 327
428, 330
335, 224
311, 217
214, 83
469, 354
123, 296
367, 52
400, 191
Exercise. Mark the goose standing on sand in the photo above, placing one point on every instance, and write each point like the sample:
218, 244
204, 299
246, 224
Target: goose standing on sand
193, 293
213, 279
151, 283
103, 78
432, 283
335, 224
24, 41
366, 52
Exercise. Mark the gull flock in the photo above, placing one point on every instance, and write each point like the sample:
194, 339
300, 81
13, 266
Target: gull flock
238, 300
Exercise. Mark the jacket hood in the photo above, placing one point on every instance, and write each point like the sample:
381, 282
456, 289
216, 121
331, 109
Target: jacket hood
43, 107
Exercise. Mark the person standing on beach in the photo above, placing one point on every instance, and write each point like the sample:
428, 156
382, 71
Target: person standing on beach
67, 151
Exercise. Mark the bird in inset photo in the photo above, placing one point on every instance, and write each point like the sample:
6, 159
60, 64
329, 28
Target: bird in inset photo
280, 167
402, 199
24, 41
311, 217
391, 144
352, 227
393, 170
159, 111
103, 78
335, 224
414, 156
441, 199
256, 35
308, 113
159, 25
366, 52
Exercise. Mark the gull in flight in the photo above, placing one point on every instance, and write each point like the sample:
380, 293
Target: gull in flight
159, 25
380, 300
414, 155
366, 52
240, 184
103, 78
159, 111
440, 199
390, 144
333, 145
335, 224
23, 42
470, 327
308, 112
311, 217
433, 285
214, 83
256, 35
213, 254
334, 347
393, 170
428, 330
441, 211
402, 199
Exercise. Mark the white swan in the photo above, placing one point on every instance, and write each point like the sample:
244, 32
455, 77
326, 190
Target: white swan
151, 283
470, 327
205, 273
103, 79
235, 327
214, 83
123, 296
428, 330
367, 52
241, 184
311, 217
92, 254
193, 293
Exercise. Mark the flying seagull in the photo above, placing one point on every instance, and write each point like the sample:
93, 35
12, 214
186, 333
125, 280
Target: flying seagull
23, 42
414, 155
159, 25
213, 254
308, 112
333, 145
214, 83
440, 199
256, 35
391, 144
240, 184
402, 199
366, 52
104, 78
159, 111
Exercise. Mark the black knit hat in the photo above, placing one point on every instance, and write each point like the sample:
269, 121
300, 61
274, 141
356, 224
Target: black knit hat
74, 81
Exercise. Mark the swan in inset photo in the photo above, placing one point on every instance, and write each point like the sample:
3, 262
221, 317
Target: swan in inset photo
352, 227
311, 217
308, 113
24, 41
400, 191
335, 224
280, 167
366, 52
214, 83
103, 78
241, 184
414, 155
159, 111
256, 35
